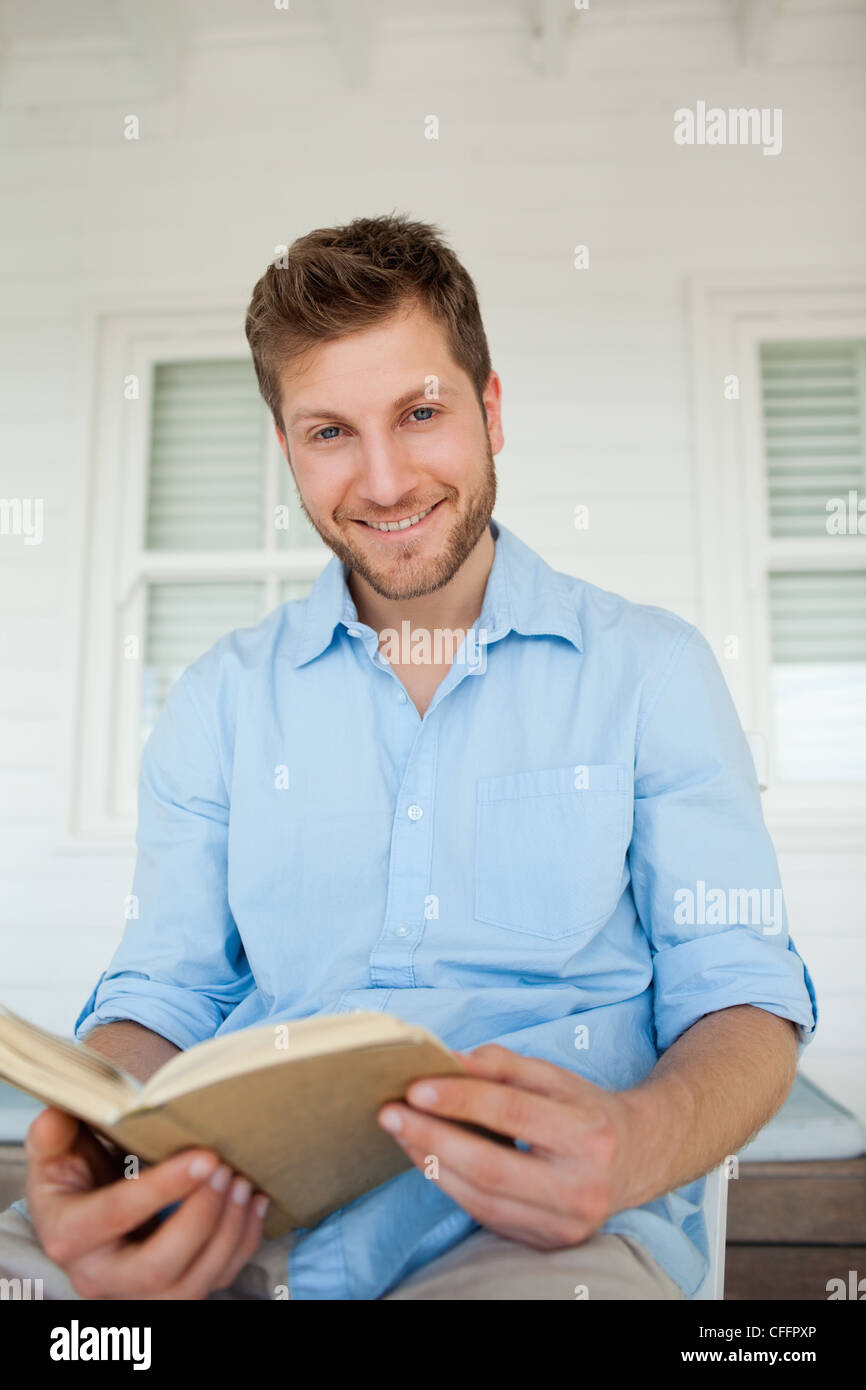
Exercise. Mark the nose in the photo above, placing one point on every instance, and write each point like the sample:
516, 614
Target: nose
387, 471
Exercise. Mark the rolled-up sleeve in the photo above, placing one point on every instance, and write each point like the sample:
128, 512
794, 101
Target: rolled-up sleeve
180, 967
704, 871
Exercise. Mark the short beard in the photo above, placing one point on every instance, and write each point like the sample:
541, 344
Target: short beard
459, 544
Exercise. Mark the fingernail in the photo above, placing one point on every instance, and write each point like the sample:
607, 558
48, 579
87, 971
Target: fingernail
202, 1166
220, 1180
241, 1191
261, 1205
425, 1094
391, 1120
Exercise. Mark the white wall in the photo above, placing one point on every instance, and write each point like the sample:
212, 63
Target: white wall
263, 140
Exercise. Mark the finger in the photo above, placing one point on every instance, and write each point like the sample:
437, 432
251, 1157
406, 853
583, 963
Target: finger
250, 1240
165, 1257
63, 1154
103, 1163
501, 1064
232, 1246
545, 1123
487, 1166
515, 1220
51, 1135
71, 1225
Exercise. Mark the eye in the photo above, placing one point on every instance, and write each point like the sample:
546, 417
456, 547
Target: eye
430, 413
320, 434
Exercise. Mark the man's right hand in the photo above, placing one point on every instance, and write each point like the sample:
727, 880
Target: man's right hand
90, 1221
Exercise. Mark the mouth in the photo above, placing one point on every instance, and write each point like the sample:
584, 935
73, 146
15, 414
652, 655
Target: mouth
403, 526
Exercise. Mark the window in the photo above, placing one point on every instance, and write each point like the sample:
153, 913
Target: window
196, 530
215, 484
779, 366
814, 414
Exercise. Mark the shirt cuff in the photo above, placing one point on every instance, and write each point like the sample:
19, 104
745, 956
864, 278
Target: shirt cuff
715, 972
182, 1016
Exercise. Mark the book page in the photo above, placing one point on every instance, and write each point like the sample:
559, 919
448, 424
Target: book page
272, 1045
60, 1072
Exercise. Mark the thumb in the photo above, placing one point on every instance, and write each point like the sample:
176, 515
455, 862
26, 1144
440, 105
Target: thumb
51, 1135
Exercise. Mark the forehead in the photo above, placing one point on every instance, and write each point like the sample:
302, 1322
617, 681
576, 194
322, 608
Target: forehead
377, 363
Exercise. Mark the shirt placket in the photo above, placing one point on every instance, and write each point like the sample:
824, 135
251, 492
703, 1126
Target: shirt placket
392, 957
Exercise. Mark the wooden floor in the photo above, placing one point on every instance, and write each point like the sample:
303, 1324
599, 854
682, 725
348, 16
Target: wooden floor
794, 1227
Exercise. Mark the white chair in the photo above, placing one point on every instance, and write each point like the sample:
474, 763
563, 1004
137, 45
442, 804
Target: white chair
716, 1221
716, 1191
760, 757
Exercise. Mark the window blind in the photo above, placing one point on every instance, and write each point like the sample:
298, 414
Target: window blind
185, 619
206, 483
814, 430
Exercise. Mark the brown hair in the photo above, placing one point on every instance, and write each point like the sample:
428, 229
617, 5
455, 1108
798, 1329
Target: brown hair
337, 280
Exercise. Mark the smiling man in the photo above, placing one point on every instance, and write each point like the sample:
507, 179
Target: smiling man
495, 848
404, 493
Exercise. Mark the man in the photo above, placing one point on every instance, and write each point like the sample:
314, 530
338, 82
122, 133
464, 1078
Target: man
455, 786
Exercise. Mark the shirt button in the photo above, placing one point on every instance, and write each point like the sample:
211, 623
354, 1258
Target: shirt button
401, 697
414, 813
401, 931
353, 632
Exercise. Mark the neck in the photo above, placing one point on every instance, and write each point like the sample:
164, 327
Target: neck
456, 605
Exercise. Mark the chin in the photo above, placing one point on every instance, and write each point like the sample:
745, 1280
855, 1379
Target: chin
402, 581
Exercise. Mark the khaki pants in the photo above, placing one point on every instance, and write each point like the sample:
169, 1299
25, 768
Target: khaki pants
483, 1266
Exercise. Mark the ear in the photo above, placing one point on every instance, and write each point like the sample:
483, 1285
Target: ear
493, 408
281, 439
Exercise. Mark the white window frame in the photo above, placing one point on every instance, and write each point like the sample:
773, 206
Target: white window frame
106, 745
730, 318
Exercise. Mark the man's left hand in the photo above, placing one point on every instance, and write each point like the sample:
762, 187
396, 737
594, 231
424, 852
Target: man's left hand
576, 1172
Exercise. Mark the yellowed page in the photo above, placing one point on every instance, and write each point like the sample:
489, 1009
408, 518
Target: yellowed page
272, 1044
60, 1073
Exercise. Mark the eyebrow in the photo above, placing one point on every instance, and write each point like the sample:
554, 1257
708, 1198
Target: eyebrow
306, 412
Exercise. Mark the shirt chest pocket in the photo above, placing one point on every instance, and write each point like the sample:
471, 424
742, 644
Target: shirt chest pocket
550, 848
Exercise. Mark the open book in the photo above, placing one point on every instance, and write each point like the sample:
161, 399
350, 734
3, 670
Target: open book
292, 1106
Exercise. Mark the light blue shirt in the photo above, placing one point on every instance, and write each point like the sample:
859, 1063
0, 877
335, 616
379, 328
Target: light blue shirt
566, 855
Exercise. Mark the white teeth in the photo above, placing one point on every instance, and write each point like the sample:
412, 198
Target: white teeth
399, 525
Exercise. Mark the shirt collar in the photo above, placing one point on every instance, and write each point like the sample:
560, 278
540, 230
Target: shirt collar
523, 594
